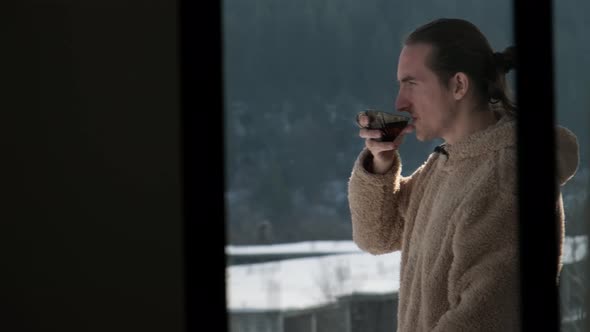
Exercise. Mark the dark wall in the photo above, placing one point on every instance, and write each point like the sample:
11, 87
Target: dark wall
90, 136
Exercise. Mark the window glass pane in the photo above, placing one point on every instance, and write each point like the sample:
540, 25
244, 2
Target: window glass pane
296, 74
572, 78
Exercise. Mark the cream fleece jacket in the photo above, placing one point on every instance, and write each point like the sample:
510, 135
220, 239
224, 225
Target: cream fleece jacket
455, 220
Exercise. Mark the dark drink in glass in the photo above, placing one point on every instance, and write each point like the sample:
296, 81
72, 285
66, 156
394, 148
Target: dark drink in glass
390, 124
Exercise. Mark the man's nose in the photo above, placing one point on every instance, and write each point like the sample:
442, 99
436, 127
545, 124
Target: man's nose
402, 104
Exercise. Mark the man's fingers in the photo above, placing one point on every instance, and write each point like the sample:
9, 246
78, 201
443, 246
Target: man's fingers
370, 133
376, 146
363, 120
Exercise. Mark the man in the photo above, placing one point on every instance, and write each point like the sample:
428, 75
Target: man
455, 218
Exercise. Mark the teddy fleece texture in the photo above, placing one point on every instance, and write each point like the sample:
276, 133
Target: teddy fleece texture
455, 220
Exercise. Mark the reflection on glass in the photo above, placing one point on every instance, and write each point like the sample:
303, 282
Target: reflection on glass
572, 77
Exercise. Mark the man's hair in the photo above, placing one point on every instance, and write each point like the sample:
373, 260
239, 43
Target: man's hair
459, 46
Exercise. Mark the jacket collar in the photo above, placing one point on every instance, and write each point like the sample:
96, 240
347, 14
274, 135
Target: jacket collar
502, 135
498, 136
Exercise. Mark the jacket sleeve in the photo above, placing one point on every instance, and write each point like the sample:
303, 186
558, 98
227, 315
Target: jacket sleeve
484, 278
376, 203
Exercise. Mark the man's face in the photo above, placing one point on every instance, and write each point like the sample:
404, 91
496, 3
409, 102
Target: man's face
421, 94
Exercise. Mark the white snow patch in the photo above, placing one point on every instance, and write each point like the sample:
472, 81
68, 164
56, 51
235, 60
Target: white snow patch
307, 282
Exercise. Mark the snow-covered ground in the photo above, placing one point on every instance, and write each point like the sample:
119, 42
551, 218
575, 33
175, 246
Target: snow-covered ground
307, 282
311, 247
575, 248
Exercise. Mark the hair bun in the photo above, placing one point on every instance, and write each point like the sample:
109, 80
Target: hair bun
506, 60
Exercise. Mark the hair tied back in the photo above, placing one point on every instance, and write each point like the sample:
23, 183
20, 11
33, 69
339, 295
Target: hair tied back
506, 60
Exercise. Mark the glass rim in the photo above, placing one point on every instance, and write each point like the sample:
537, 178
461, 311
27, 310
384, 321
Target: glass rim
383, 114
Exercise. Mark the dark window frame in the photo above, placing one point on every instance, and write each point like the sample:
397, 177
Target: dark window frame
533, 31
202, 173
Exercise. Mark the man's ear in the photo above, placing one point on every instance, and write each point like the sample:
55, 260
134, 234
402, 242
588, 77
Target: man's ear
459, 85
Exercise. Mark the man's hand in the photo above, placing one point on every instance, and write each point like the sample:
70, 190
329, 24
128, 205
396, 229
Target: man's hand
383, 152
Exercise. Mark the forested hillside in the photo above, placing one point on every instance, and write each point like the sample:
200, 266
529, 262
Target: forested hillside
296, 74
